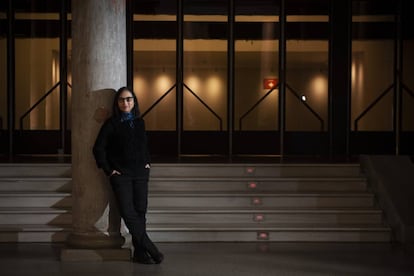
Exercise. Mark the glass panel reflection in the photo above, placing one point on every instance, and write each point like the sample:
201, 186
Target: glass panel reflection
154, 74
372, 69
256, 66
3, 70
37, 70
205, 73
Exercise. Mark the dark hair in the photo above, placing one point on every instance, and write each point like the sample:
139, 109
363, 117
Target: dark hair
115, 108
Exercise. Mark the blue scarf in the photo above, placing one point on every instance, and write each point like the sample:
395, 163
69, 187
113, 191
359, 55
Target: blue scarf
128, 117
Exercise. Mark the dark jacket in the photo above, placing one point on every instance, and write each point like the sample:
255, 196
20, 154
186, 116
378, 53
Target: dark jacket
122, 148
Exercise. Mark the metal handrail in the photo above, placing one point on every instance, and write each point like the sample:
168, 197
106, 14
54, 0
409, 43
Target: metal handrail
371, 106
307, 106
157, 101
203, 103
409, 91
37, 103
294, 93
255, 105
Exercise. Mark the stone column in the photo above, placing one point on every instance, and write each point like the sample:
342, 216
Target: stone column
98, 68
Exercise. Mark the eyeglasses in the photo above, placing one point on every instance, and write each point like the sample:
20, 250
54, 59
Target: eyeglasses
127, 99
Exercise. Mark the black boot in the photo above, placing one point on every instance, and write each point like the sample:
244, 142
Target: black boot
140, 255
152, 250
142, 258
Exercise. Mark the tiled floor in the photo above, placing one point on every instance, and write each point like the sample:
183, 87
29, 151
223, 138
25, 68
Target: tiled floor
235, 259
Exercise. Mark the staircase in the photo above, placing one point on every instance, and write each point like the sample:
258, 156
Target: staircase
35, 202
209, 202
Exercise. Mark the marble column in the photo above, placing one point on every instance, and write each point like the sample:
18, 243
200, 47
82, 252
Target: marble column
98, 69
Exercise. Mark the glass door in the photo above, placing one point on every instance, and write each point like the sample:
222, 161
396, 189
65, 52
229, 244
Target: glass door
373, 109
407, 82
3, 81
259, 114
256, 111
154, 34
307, 60
204, 91
37, 110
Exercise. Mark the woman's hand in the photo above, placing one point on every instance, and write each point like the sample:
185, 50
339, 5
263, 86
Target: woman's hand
114, 172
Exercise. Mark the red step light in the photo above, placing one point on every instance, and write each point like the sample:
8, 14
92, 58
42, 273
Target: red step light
256, 201
250, 170
263, 236
252, 185
258, 217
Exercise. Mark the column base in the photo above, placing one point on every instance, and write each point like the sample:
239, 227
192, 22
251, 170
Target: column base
95, 240
95, 255
95, 246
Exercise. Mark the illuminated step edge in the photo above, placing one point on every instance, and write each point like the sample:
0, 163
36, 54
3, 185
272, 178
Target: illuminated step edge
35, 216
38, 184
171, 200
34, 233
276, 234
35, 199
264, 217
237, 170
265, 184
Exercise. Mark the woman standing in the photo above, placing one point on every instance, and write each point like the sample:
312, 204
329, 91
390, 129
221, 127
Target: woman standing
121, 150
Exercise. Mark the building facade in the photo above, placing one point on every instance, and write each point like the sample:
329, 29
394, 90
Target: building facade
225, 77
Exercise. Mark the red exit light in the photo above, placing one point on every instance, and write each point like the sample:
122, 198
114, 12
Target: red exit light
270, 83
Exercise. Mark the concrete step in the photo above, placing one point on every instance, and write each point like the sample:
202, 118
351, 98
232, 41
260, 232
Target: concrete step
35, 199
34, 233
263, 170
36, 184
212, 233
266, 216
36, 216
50, 216
35, 170
198, 170
268, 233
63, 184
208, 202
279, 200
160, 199
262, 216
258, 184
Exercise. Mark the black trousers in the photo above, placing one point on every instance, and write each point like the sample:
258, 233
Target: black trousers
132, 198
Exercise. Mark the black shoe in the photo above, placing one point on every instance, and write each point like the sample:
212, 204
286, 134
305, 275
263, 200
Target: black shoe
152, 250
158, 258
142, 258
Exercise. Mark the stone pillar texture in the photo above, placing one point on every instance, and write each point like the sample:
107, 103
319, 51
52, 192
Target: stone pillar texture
98, 69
